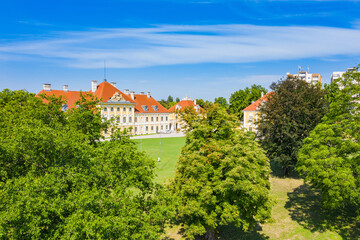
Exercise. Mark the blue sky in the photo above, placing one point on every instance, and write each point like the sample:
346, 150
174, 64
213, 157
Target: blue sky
203, 48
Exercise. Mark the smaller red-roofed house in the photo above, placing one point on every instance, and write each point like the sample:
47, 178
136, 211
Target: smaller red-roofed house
181, 106
252, 113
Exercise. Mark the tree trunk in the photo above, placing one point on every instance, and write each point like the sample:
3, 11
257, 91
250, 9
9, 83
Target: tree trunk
286, 171
210, 234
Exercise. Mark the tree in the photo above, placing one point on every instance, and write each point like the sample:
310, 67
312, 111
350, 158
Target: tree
243, 98
170, 99
330, 156
177, 100
288, 116
55, 185
222, 176
222, 102
204, 104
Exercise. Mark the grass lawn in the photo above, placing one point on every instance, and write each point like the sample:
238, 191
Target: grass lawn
297, 213
170, 151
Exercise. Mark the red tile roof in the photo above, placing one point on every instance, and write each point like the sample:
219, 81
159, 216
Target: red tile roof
143, 99
70, 96
105, 91
183, 104
256, 104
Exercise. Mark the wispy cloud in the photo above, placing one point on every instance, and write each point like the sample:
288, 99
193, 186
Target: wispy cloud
187, 44
34, 23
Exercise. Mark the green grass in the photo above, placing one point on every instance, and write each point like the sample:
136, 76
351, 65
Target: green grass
297, 213
170, 151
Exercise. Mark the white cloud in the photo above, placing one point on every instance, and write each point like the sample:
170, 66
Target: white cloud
182, 44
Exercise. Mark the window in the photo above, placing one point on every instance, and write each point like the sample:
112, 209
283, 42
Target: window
152, 119
157, 119
147, 119
162, 127
166, 118
129, 109
129, 119
166, 127
251, 118
157, 128
162, 118
124, 109
118, 109
64, 107
145, 107
118, 119
147, 128
105, 109
152, 128
155, 107
124, 119
112, 109
135, 119
135, 129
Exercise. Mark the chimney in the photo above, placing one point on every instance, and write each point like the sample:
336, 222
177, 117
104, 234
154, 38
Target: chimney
195, 102
93, 86
47, 86
262, 94
113, 83
148, 95
142, 93
126, 91
66, 88
132, 94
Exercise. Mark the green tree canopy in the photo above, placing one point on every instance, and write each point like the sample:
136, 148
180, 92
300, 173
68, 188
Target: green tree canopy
222, 176
288, 116
222, 102
243, 98
204, 103
330, 156
55, 184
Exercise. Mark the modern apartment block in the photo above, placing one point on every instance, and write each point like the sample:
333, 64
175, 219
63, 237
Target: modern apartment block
308, 77
337, 75
138, 113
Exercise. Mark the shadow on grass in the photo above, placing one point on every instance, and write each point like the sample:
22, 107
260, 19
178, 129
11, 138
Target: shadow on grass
304, 206
230, 232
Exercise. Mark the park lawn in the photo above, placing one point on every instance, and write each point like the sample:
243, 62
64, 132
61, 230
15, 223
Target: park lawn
169, 153
297, 212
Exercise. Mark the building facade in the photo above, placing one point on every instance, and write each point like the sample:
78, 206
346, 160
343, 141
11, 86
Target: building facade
252, 113
308, 77
137, 113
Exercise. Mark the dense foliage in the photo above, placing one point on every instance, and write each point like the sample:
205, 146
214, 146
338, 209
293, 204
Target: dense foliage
243, 98
288, 116
55, 183
205, 104
222, 102
169, 102
330, 156
222, 176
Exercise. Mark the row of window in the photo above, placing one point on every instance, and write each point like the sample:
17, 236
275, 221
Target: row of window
157, 119
166, 127
117, 109
135, 119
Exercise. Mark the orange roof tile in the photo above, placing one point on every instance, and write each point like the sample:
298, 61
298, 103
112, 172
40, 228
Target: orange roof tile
105, 91
183, 104
144, 100
256, 104
70, 96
